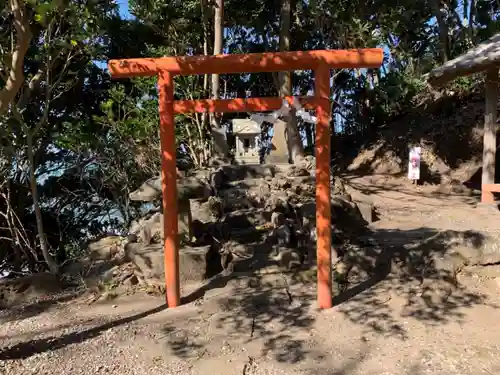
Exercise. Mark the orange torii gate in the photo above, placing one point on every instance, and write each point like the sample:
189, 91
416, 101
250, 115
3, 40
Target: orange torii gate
168, 67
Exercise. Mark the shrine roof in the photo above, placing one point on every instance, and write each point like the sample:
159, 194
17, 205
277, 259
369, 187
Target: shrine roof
245, 126
480, 58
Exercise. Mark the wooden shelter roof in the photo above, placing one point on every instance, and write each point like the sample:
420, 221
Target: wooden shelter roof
480, 58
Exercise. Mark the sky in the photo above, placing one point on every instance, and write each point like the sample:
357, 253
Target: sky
124, 11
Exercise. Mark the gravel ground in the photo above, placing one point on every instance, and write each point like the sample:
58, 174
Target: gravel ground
251, 326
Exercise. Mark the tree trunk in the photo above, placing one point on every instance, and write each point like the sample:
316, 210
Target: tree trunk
308, 128
472, 15
15, 66
443, 31
295, 147
51, 263
218, 42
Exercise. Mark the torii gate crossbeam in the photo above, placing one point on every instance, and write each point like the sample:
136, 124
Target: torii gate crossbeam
321, 61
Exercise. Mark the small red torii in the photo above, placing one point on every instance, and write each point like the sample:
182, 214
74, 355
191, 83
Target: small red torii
168, 67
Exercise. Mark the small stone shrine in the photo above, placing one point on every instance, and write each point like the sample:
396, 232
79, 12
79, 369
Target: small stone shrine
246, 133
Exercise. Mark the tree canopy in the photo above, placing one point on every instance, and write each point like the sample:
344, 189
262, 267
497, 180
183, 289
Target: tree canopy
75, 143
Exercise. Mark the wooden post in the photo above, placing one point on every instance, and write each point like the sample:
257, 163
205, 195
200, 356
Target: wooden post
169, 187
490, 134
323, 205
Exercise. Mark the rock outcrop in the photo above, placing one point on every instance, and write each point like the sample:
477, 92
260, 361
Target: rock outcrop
240, 218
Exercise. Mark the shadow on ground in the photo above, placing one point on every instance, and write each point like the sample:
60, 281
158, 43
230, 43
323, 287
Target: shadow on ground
29, 310
258, 309
419, 269
416, 267
274, 311
32, 347
414, 194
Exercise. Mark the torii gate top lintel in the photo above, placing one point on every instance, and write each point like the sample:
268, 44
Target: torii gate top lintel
247, 63
168, 67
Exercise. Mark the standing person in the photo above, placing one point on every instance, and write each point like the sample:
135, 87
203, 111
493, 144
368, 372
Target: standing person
414, 165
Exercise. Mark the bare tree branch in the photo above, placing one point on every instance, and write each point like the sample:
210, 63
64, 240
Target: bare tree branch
32, 86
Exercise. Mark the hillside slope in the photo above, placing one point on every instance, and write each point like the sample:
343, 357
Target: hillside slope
450, 132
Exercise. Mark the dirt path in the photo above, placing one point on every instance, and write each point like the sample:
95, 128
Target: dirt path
268, 323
